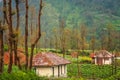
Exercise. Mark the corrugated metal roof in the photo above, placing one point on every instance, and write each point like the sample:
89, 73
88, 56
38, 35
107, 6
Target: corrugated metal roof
48, 59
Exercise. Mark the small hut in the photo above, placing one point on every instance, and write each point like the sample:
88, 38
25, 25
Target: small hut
50, 64
102, 57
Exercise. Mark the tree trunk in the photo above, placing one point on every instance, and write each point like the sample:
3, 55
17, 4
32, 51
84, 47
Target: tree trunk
62, 37
17, 60
16, 41
1, 50
26, 33
5, 12
10, 36
39, 35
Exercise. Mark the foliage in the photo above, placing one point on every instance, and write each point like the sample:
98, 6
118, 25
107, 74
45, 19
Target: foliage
71, 78
20, 75
114, 77
84, 53
85, 59
6, 47
90, 71
95, 14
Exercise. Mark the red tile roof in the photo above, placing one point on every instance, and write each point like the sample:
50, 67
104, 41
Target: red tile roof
101, 53
48, 59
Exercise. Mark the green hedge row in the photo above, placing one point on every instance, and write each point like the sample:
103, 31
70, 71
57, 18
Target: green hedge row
20, 75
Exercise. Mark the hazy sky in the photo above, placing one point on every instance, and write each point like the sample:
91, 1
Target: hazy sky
0, 0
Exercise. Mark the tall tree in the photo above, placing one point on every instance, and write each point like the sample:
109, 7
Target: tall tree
1, 48
1, 36
11, 35
62, 37
55, 38
110, 36
92, 42
39, 33
16, 37
26, 33
83, 31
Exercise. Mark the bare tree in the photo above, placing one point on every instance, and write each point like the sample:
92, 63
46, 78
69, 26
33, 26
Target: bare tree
39, 34
1, 37
83, 31
11, 35
16, 37
92, 42
1, 48
62, 37
26, 33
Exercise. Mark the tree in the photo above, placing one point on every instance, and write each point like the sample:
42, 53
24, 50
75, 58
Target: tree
16, 39
103, 39
1, 48
83, 32
39, 34
62, 37
110, 37
78, 39
11, 35
55, 38
2, 28
92, 42
26, 33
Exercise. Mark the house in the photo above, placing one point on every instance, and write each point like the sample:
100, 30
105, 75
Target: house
50, 64
102, 57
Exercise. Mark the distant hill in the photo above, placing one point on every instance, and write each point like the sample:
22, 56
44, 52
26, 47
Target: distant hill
93, 13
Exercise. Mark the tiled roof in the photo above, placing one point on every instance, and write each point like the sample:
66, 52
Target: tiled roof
48, 59
101, 53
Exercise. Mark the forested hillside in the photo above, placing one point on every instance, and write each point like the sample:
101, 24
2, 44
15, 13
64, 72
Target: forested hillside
60, 39
94, 14
75, 12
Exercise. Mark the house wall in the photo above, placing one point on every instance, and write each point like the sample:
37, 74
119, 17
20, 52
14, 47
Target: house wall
55, 71
104, 61
44, 71
60, 71
109, 61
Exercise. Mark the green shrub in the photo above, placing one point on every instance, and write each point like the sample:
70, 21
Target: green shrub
114, 77
84, 53
90, 71
85, 59
17, 74
5, 47
20, 75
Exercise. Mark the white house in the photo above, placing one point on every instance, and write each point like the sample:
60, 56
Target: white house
50, 64
102, 57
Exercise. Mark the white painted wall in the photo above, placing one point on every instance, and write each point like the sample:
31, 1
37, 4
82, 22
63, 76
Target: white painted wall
55, 71
109, 61
44, 71
95, 61
48, 71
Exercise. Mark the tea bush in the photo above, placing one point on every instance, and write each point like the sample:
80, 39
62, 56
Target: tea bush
17, 74
90, 71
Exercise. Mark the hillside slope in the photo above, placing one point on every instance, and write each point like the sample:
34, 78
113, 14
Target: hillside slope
93, 13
